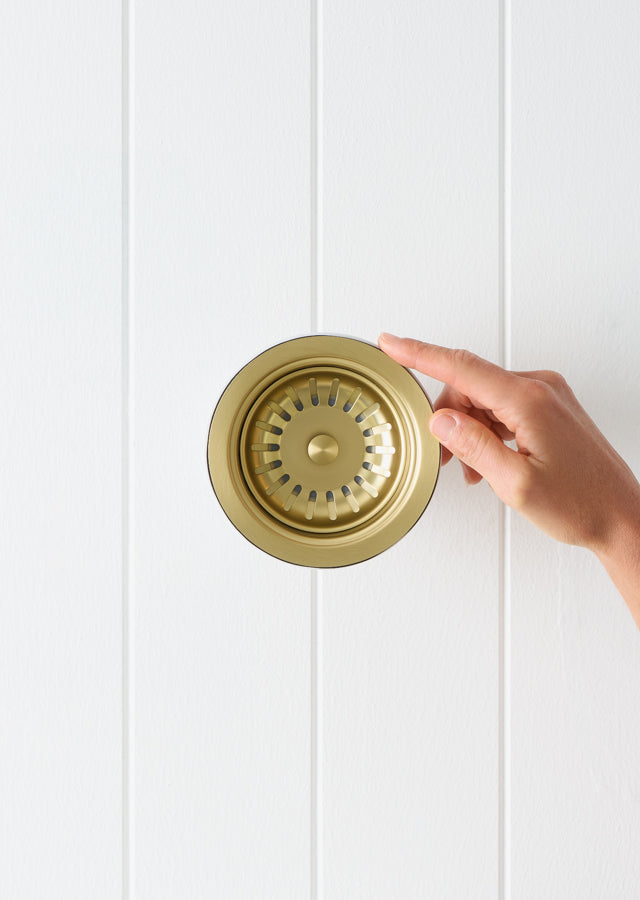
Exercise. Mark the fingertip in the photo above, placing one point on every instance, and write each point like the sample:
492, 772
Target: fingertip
441, 424
470, 475
445, 456
389, 340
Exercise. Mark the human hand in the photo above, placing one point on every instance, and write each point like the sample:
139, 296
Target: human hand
564, 476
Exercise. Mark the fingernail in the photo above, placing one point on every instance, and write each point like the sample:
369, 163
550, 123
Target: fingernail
442, 426
389, 339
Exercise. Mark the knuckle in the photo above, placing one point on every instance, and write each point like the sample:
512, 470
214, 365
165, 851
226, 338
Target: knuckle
463, 361
555, 380
472, 444
537, 392
450, 398
461, 357
443, 399
521, 490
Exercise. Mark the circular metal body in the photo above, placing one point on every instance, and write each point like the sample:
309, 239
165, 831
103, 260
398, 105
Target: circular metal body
319, 451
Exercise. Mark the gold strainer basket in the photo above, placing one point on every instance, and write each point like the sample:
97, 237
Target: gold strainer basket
319, 451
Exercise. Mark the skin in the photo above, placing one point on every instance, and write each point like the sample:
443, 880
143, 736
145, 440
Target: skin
563, 476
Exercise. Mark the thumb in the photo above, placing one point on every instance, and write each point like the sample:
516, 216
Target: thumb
479, 448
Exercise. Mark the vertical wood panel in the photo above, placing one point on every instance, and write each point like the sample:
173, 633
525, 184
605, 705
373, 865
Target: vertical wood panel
222, 271
576, 291
60, 489
410, 640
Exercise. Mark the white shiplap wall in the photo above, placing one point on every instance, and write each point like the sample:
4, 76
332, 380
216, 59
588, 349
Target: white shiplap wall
60, 451
410, 647
183, 716
221, 630
575, 656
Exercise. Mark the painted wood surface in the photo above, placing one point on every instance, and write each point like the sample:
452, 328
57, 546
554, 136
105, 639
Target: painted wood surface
409, 641
575, 656
60, 452
183, 186
221, 258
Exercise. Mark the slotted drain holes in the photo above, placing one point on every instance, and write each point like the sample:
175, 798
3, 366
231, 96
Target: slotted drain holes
319, 452
314, 500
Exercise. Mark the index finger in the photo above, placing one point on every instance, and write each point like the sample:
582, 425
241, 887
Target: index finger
483, 382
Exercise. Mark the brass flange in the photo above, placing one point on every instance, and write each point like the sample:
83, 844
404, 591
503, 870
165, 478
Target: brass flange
319, 451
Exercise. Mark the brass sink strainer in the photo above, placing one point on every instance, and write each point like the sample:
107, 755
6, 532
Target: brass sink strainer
319, 451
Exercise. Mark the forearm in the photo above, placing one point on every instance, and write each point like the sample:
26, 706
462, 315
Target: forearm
621, 555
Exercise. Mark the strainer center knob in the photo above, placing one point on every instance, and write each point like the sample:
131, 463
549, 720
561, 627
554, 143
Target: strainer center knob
323, 449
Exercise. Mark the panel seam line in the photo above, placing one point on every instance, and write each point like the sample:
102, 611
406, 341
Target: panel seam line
315, 269
127, 610
504, 649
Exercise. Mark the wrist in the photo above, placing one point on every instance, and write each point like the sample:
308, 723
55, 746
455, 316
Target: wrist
619, 553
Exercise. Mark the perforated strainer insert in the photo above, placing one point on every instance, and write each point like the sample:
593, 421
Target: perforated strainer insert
319, 451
